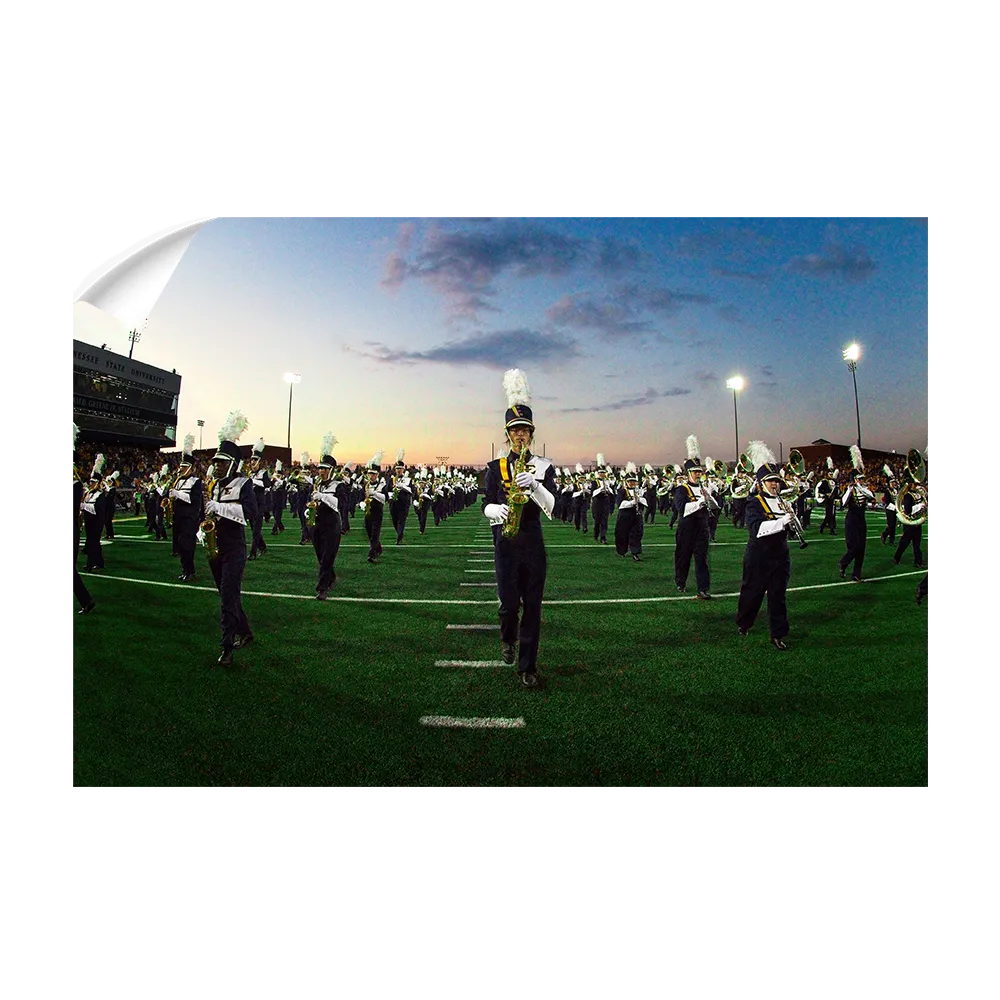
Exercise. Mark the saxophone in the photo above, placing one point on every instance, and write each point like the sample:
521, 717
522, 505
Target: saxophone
516, 498
167, 503
208, 529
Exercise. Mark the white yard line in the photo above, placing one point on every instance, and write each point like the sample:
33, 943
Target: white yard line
471, 663
451, 722
475, 628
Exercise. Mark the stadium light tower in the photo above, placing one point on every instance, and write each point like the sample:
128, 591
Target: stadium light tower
201, 424
736, 383
291, 378
134, 337
851, 356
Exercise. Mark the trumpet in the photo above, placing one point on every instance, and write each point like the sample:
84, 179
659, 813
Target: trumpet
517, 497
915, 488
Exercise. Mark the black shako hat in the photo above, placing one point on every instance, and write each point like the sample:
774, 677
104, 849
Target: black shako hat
518, 416
769, 471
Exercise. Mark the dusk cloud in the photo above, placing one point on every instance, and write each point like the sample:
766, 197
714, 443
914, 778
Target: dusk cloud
621, 312
651, 395
730, 313
500, 349
836, 261
735, 272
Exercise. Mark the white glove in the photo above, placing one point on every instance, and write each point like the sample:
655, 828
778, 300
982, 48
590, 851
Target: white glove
525, 480
200, 536
496, 511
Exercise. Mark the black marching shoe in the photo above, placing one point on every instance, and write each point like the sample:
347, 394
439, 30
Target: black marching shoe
507, 652
529, 679
636, 558
778, 643
87, 608
242, 641
743, 631
321, 596
226, 659
843, 573
681, 590
704, 595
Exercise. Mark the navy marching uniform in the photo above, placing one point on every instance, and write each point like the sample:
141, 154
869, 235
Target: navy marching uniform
912, 533
629, 525
110, 499
828, 492
422, 501
519, 561
261, 480
87, 603
327, 498
889, 503
767, 564
188, 497
232, 506
279, 499
92, 506
691, 508
602, 496
402, 489
374, 506
856, 498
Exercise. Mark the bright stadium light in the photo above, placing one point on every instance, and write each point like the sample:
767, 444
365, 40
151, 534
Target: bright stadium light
851, 356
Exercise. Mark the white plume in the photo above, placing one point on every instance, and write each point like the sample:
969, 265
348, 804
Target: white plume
400, 455
304, 459
210, 474
328, 442
630, 468
709, 464
692, 446
376, 459
887, 471
165, 470
579, 469
759, 454
566, 471
515, 385
76, 433
188, 444
278, 466
856, 460
115, 475
258, 448
829, 462
647, 468
600, 459
234, 426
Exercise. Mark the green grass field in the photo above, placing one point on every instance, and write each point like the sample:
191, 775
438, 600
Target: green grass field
641, 686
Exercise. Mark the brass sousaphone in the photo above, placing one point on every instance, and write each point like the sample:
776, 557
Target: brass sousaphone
915, 484
743, 478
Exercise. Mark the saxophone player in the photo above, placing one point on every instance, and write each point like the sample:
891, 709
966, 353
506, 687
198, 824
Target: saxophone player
856, 499
188, 497
517, 488
692, 503
328, 529
232, 506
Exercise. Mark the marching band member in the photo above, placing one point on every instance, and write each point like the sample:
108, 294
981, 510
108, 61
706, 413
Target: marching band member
402, 496
423, 498
889, 503
374, 505
261, 480
603, 498
303, 494
87, 603
692, 503
581, 500
566, 496
150, 501
649, 493
328, 528
162, 491
279, 498
708, 486
827, 489
766, 561
110, 496
231, 507
664, 492
94, 517
679, 480
912, 533
519, 549
187, 494
856, 498
437, 505
629, 523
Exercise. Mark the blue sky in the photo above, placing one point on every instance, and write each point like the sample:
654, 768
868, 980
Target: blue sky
627, 329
